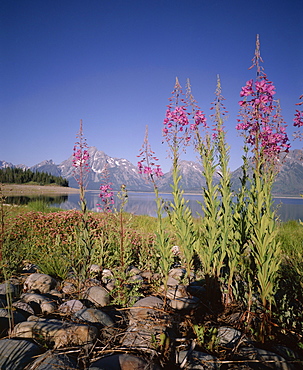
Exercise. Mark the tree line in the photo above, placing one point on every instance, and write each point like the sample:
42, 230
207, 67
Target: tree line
12, 175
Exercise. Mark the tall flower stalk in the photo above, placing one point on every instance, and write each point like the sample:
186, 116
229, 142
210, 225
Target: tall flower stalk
85, 244
106, 192
216, 247
264, 132
81, 165
298, 120
148, 167
179, 127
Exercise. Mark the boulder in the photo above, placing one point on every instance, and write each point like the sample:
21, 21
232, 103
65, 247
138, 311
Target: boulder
97, 295
46, 304
122, 362
40, 283
55, 331
15, 354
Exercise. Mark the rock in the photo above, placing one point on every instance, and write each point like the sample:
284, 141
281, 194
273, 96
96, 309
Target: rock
55, 331
177, 273
41, 283
289, 355
148, 308
95, 316
107, 275
16, 354
8, 288
3, 301
97, 295
172, 281
132, 270
46, 305
122, 362
184, 303
147, 275
228, 337
110, 285
196, 290
144, 336
263, 359
7, 319
135, 279
95, 269
179, 291
195, 360
71, 306
23, 308
69, 288
52, 361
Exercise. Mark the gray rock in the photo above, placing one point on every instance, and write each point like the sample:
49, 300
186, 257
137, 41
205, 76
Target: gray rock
184, 303
8, 288
71, 306
289, 355
69, 288
47, 305
228, 337
94, 315
177, 273
196, 290
195, 360
7, 319
52, 361
97, 295
95, 269
172, 281
111, 285
55, 331
107, 275
179, 291
25, 308
148, 308
122, 362
16, 354
136, 279
261, 357
132, 270
41, 283
147, 275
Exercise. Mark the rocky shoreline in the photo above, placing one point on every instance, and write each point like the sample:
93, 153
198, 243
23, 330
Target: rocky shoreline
64, 325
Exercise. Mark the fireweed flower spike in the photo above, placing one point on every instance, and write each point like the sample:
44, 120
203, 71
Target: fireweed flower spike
258, 115
106, 192
298, 120
179, 124
147, 164
264, 131
81, 164
149, 169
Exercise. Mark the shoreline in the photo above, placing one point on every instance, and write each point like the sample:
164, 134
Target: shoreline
28, 189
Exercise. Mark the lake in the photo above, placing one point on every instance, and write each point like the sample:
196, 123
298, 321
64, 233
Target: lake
144, 203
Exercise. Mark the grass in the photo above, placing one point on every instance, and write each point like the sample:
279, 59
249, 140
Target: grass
48, 238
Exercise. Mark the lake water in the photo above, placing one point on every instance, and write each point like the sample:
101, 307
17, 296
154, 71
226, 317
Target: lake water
144, 203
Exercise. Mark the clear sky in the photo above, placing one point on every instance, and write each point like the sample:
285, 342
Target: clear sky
113, 64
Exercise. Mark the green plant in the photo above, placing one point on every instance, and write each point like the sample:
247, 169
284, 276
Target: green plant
206, 336
38, 206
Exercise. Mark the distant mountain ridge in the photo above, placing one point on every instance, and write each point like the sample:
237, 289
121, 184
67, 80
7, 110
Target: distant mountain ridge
289, 181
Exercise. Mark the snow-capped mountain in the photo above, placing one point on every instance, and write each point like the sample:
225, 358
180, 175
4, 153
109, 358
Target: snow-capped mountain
121, 171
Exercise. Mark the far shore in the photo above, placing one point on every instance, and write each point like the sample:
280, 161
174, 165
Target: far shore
26, 189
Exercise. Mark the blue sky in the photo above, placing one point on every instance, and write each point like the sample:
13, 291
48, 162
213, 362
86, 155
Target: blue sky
113, 64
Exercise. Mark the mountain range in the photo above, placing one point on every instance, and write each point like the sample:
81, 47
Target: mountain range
289, 181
